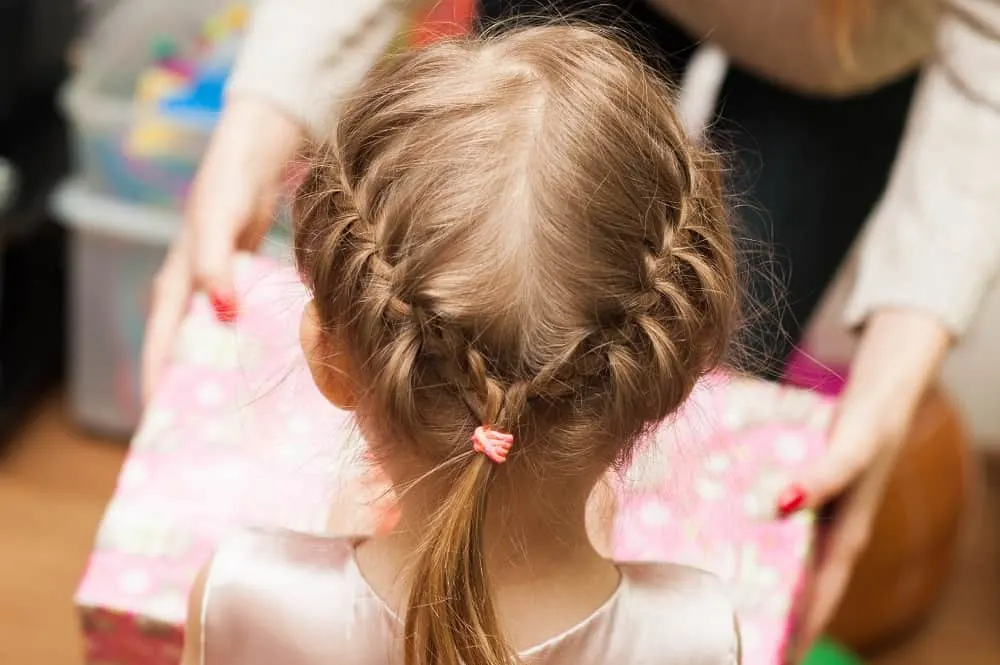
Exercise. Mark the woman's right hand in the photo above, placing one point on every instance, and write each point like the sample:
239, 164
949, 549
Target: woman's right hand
230, 208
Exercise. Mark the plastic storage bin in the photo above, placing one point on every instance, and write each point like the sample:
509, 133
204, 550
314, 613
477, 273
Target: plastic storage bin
117, 49
102, 124
119, 37
116, 249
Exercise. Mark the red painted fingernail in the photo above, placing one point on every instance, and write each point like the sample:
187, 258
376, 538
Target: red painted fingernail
789, 501
225, 306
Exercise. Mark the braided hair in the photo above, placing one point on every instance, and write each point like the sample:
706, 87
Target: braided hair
515, 232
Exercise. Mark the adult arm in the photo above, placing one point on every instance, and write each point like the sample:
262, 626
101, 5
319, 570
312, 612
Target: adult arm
929, 255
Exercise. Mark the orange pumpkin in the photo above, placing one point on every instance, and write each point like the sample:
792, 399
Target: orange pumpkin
903, 572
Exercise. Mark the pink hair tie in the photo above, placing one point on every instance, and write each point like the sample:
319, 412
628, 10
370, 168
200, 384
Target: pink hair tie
491, 443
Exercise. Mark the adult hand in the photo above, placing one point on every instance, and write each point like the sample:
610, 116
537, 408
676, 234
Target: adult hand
898, 358
230, 208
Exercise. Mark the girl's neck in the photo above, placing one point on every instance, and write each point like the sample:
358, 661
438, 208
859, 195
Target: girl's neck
544, 570
529, 530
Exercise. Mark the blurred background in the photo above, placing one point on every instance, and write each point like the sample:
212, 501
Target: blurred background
105, 110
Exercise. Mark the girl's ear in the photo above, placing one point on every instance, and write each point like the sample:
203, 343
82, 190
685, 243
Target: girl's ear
328, 362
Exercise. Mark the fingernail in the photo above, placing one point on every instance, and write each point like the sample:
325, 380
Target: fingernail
224, 305
790, 500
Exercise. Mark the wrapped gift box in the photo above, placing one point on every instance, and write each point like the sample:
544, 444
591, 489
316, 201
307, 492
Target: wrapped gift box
239, 436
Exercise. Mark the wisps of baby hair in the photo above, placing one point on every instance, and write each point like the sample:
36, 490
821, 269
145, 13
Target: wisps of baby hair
513, 233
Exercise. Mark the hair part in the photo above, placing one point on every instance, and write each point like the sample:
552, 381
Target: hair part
514, 232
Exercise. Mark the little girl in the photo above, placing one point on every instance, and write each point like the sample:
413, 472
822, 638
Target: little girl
519, 266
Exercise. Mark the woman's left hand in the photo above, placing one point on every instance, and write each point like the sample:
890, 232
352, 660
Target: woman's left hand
898, 358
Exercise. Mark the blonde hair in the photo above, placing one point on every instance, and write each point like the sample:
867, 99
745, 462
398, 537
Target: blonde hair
513, 231
841, 19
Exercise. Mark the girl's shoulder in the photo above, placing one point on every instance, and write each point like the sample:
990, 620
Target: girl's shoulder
680, 610
254, 564
279, 546
268, 595
671, 579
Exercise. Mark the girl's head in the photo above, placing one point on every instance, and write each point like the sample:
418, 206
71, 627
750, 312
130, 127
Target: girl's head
511, 232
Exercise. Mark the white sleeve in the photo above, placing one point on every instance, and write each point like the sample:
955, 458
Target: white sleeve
933, 243
306, 55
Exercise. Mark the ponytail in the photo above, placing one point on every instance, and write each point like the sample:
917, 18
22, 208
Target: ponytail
451, 619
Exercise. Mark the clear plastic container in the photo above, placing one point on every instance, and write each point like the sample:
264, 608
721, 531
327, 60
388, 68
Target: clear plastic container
116, 249
102, 125
119, 38
118, 48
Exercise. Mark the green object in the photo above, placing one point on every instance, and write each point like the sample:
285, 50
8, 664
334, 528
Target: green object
163, 48
826, 652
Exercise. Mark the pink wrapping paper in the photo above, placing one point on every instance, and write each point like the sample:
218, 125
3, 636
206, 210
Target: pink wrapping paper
238, 435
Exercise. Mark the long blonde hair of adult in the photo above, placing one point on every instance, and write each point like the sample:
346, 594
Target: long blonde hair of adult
841, 18
512, 231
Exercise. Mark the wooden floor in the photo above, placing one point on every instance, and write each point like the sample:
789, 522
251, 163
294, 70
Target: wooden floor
54, 483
